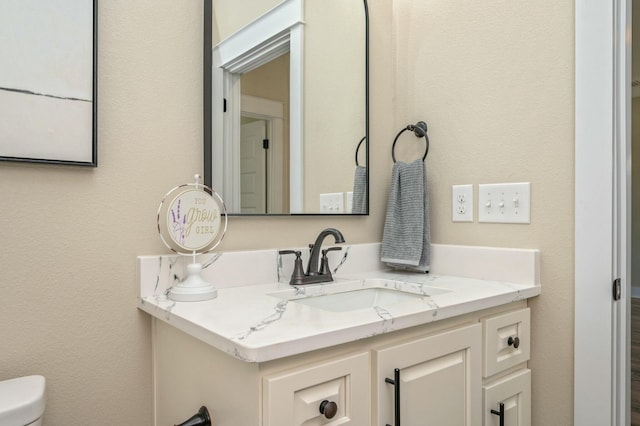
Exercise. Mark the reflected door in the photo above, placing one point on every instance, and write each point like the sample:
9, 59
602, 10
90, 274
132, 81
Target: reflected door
253, 175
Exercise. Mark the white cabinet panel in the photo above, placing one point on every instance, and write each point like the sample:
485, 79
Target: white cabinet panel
294, 397
514, 391
507, 341
440, 379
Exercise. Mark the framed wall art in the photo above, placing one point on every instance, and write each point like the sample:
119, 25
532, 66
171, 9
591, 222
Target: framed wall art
48, 81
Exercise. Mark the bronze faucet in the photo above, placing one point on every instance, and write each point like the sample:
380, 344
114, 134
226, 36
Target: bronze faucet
314, 273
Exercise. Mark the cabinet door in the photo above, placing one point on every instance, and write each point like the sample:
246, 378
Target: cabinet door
514, 392
340, 387
439, 379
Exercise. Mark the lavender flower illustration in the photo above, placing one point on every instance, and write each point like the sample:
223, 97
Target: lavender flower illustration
178, 224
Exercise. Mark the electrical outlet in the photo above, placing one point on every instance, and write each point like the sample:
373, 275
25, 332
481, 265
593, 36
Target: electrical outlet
504, 202
462, 203
332, 203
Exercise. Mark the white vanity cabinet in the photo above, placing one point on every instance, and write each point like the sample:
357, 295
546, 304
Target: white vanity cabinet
451, 372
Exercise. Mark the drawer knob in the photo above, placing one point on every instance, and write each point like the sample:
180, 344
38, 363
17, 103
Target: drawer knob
513, 341
328, 408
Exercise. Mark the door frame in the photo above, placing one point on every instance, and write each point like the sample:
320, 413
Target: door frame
278, 31
602, 211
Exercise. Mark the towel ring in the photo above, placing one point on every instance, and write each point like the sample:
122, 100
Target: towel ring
358, 148
420, 130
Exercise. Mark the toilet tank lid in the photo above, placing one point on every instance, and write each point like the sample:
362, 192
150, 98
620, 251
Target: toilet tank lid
22, 400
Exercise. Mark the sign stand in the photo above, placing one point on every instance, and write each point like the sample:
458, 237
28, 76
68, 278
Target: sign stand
192, 220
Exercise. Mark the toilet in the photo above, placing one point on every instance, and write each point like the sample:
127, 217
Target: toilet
22, 401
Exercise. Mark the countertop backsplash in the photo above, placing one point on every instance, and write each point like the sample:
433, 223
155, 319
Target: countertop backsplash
242, 268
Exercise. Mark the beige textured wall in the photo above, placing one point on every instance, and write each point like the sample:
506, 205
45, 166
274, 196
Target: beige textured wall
231, 15
494, 81
70, 235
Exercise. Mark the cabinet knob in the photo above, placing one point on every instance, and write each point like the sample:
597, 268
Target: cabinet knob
328, 408
513, 341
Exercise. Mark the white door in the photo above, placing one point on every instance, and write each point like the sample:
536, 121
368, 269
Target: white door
272, 112
253, 167
601, 370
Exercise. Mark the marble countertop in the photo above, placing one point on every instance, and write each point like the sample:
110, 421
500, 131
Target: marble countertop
262, 322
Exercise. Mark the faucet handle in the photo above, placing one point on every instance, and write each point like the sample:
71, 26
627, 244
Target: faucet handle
325, 251
324, 264
298, 270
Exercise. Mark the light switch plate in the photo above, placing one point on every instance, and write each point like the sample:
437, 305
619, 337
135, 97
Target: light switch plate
462, 203
504, 202
332, 202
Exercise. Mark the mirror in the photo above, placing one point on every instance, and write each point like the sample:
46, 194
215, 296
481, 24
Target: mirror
290, 113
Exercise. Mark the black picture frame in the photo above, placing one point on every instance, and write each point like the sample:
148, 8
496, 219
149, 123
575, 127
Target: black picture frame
44, 144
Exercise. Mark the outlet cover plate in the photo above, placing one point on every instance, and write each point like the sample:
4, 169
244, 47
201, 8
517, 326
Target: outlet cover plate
462, 203
504, 202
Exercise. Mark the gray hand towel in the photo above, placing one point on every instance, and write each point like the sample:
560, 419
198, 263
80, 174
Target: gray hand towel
406, 236
359, 204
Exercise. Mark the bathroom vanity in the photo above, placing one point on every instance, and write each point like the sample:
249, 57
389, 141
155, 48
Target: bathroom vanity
445, 348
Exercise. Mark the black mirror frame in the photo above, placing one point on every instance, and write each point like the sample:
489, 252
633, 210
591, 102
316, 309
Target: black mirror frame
207, 75
207, 110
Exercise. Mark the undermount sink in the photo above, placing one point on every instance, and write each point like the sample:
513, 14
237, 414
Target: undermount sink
352, 296
358, 299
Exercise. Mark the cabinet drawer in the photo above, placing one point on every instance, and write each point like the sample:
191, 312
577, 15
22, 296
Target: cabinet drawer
514, 392
295, 397
506, 341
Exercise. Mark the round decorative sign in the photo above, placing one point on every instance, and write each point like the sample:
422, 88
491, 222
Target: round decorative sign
192, 219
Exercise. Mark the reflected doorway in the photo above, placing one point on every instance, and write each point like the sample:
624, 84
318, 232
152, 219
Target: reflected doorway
264, 159
253, 165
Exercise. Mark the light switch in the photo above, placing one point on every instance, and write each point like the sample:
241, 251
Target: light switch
332, 202
504, 202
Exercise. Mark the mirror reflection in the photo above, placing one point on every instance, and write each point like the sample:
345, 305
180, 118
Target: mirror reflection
290, 106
